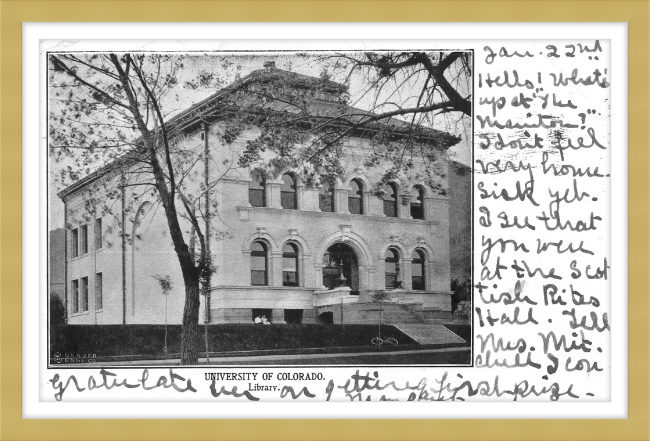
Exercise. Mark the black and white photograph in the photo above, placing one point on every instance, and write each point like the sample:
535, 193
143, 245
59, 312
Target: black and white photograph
289, 204
259, 208
246, 220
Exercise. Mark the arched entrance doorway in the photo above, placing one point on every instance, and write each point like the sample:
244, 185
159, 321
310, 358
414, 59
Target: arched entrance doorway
341, 268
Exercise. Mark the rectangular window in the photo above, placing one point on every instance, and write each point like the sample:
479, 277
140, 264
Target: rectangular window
258, 278
390, 209
326, 203
354, 205
74, 243
99, 295
288, 200
84, 294
417, 275
289, 278
98, 234
391, 274
289, 271
260, 316
416, 211
258, 270
256, 197
293, 316
391, 280
83, 239
75, 296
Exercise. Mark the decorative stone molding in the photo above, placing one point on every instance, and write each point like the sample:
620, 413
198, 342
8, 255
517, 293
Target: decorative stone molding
345, 231
294, 237
261, 234
244, 213
359, 245
421, 244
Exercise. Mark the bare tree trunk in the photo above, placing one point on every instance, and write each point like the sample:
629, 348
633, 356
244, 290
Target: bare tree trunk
190, 337
165, 184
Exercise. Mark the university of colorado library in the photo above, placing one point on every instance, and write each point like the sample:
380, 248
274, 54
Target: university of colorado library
293, 251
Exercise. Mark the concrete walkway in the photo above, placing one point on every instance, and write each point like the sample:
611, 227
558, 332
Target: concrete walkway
280, 358
426, 334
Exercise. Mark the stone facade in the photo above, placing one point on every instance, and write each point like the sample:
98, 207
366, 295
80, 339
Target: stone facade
460, 230
111, 276
57, 263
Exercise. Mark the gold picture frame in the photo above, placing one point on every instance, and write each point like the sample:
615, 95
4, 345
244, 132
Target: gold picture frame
14, 13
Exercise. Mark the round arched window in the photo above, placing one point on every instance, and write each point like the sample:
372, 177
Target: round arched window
256, 195
355, 197
259, 254
288, 194
417, 202
392, 269
290, 265
390, 200
417, 270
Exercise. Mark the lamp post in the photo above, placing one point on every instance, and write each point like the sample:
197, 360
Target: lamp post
342, 278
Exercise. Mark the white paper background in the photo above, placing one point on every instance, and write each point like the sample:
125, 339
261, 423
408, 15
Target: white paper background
420, 35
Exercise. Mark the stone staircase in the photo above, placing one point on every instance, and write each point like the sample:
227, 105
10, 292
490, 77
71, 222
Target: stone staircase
391, 313
427, 334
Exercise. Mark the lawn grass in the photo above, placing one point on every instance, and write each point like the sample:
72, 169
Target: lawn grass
456, 357
148, 340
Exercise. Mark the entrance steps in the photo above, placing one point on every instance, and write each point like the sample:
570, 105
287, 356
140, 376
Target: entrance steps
427, 334
391, 313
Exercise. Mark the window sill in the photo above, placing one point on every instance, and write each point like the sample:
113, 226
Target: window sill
244, 214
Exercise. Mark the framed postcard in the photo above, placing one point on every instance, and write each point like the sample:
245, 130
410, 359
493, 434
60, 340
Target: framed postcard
311, 217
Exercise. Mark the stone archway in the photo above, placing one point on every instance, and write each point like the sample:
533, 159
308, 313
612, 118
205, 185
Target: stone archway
341, 268
357, 245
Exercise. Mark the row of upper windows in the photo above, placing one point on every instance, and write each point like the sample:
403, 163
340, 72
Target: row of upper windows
79, 239
289, 197
79, 294
291, 260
